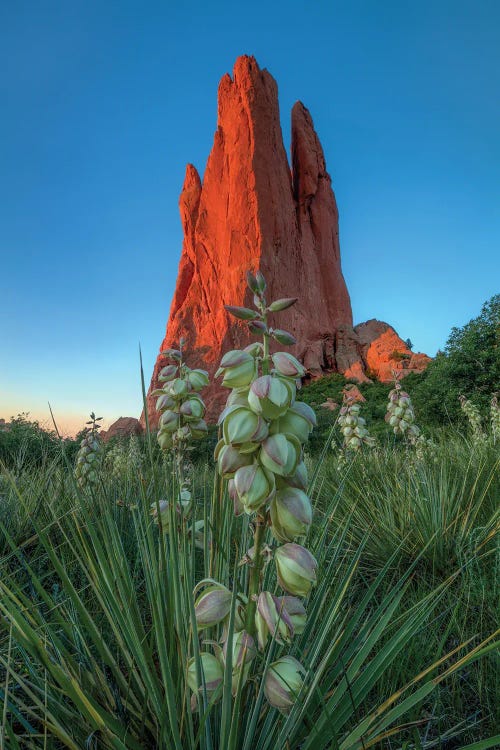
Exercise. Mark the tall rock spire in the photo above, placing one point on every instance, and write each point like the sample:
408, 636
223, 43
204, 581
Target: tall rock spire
252, 212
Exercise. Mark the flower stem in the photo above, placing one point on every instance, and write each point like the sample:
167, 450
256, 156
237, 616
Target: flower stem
253, 588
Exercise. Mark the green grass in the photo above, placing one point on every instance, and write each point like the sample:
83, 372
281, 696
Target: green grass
97, 611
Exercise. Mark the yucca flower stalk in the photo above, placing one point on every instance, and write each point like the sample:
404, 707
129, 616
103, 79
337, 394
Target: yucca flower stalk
89, 456
474, 419
182, 410
495, 419
260, 452
353, 426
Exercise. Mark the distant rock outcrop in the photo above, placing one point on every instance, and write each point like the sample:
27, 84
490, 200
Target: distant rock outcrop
123, 427
251, 211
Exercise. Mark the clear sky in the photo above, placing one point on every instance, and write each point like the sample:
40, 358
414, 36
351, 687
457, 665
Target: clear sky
102, 104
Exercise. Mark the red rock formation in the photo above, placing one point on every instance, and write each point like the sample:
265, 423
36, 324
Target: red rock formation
123, 427
252, 212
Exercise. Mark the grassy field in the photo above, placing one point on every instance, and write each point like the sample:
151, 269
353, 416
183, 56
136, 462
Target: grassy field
95, 605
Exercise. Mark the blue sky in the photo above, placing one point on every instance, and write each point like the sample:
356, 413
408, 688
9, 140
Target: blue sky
104, 103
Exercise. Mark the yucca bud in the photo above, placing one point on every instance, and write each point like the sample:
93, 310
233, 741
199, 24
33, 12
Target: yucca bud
283, 683
291, 514
197, 379
243, 652
177, 388
296, 569
299, 420
164, 511
242, 313
212, 674
299, 479
254, 486
260, 282
296, 612
257, 327
212, 605
241, 425
164, 440
164, 401
283, 337
169, 421
272, 619
280, 454
198, 430
252, 282
282, 304
193, 408
167, 373
238, 506
238, 368
229, 459
269, 397
288, 365
172, 354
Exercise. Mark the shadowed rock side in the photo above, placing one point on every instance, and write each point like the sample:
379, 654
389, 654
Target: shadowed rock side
252, 212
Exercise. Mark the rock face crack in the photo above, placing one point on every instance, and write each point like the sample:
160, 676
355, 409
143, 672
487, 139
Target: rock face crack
252, 211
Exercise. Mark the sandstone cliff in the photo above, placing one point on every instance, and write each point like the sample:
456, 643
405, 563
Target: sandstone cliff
251, 211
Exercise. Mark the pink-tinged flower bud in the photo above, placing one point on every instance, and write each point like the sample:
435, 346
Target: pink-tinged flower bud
176, 389
212, 672
243, 652
164, 440
261, 282
164, 401
283, 337
296, 612
280, 454
256, 349
212, 605
172, 354
242, 313
169, 421
198, 379
229, 459
269, 397
167, 373
193, 408
287, 365
283, 683
238, 368
272, 619
282, 304
198, 429
299, 479
296, 569
242, 425
254, 486
257, 327
252, 282
291, 514
239, 508
299, 420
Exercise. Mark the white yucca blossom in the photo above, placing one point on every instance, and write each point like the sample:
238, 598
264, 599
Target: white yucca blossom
474, 418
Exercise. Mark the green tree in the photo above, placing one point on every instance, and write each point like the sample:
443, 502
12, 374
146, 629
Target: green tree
469, 366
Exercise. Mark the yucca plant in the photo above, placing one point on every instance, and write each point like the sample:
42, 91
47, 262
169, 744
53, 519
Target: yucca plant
119, 632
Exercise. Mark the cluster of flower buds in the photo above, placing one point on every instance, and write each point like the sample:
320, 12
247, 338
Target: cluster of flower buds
117, 460
474, 418
89, 455
353, 426
400, 414
134, 453
495, 419
181, 407
260, 453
